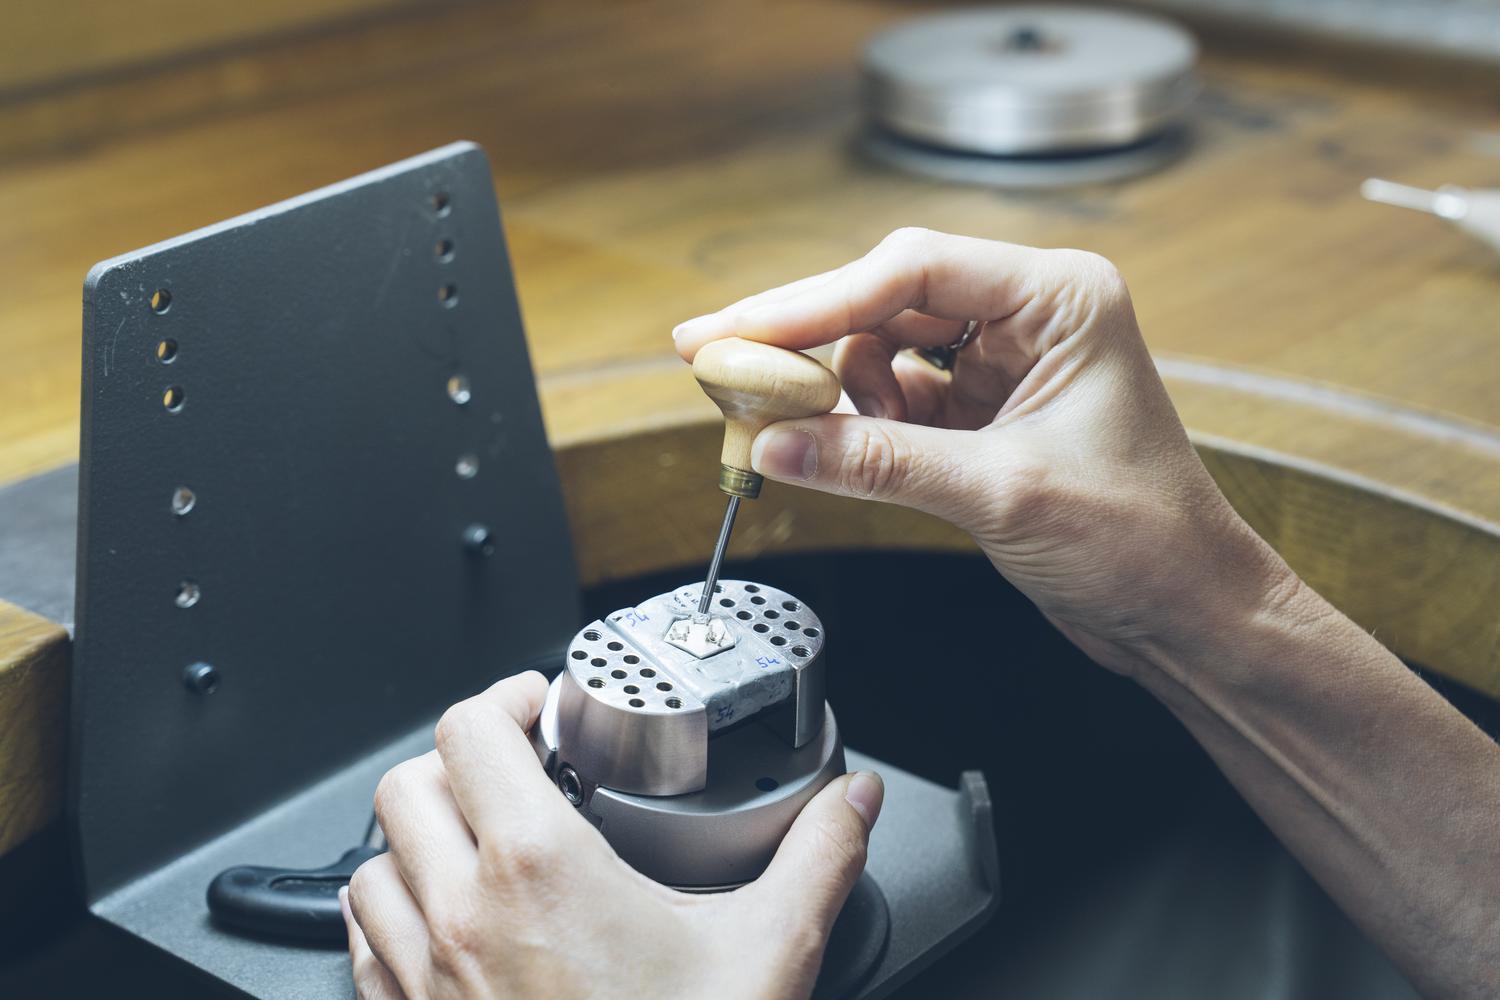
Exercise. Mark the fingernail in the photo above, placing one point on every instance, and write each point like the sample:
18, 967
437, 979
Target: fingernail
865, 793
344, 902
688, 326
872, 406
785, 454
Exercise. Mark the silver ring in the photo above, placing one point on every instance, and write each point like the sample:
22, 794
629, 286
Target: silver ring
943, 358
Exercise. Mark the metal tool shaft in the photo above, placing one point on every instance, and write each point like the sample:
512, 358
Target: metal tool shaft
713, 567
1446, 202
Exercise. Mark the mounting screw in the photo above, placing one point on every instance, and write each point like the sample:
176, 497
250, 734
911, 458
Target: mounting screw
477, 538
569, 785
200, 678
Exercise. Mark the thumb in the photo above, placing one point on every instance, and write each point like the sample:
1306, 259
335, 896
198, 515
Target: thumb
928, 468
823, 853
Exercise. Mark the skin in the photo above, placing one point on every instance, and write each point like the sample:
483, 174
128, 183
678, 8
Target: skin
1053, 443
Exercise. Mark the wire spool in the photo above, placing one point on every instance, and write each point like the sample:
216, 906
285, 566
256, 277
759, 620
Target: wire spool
1030, 96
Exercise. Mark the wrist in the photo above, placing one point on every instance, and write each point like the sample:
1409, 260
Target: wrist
1230, 617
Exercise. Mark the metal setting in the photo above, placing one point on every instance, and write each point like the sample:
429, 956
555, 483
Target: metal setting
693, 753
644, 691
703, 635
695, 783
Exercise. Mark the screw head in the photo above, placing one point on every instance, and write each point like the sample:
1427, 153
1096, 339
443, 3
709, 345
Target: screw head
200, 678
478, 539
569, 784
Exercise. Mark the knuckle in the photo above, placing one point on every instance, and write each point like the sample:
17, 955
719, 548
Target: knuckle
874, 465
1098, 277
359, 884
908, 238
391, 789
521, 858
452, 726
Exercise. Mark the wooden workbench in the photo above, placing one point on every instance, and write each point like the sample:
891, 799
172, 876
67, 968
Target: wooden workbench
1334, 360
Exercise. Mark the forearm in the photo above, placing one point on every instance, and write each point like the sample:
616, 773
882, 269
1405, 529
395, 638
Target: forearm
1386, 793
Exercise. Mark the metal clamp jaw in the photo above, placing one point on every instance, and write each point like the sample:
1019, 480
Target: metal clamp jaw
691, 740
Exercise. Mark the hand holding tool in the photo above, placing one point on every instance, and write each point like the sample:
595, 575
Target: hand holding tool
754, 385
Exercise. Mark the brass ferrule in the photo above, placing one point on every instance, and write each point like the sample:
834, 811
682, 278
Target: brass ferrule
740, 482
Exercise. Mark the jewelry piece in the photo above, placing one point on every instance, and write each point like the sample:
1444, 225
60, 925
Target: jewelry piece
942, 358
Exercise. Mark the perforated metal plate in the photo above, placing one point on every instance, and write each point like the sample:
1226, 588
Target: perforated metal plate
290, 420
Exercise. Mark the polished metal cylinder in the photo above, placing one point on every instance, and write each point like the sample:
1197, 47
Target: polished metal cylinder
692, 741
1029, 80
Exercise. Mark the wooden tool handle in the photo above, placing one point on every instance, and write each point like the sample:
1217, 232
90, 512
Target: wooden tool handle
755, 385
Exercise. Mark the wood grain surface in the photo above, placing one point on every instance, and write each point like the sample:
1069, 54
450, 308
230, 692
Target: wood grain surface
1334, 360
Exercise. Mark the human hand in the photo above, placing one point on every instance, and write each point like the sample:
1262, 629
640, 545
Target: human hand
495, 886
1052, 441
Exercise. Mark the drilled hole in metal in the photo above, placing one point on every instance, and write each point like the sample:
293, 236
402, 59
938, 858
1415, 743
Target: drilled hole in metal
752, 588
172, 399
201, 678
800, 650
591, 635
467, 466
579, 654
772, 614
166, 351
448, 295
161, 300
443, 251
778, 640
596, 682
631, 658
663, 686
743, 616
598, 661
570, 786
761, 627
618, 675
632, 689
458, 389
791, 605
674, 702
811, 633
614, 647
647, 672
794, 626
757, 600
725, 602
188, 594
183, 500
441, 203
637, 703
767, 784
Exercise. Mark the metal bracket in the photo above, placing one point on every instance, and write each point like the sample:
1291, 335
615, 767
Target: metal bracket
290, 421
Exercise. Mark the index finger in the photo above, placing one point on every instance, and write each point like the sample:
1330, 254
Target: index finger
950, 277
492, 768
